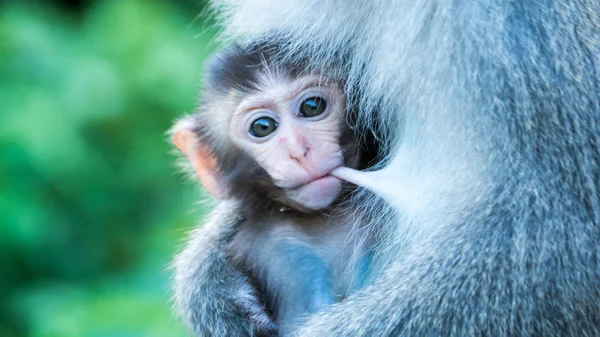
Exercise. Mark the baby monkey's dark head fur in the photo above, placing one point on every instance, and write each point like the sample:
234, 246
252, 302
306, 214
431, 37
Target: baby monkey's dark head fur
271, 131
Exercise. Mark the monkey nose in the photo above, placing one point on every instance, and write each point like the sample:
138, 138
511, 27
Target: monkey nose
298, 149
300, 156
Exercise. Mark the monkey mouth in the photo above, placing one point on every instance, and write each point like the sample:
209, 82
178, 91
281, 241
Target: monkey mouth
316, 178
317, 193
322, 178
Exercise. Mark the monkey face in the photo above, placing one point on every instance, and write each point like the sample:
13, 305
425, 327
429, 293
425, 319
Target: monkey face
292, 130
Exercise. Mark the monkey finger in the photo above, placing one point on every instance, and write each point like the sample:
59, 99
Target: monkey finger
262, 323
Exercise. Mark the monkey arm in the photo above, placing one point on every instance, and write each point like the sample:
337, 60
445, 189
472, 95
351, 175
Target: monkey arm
490, 288
213, 297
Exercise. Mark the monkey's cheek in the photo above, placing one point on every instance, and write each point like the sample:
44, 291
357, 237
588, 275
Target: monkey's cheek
319, 193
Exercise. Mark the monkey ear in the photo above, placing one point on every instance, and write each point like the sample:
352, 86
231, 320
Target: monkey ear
203, 161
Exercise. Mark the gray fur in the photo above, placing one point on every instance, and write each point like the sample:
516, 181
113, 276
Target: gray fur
301, 263
298, 260
493, 109
229, 307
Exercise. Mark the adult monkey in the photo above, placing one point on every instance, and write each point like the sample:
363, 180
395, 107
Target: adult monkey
495, 111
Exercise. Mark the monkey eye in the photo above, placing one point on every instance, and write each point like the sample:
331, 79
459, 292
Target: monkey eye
312, 107
263, 127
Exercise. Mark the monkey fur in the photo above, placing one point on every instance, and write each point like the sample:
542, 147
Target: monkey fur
300, 252
491, 111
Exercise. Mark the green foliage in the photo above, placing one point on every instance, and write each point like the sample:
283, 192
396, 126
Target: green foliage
91, 207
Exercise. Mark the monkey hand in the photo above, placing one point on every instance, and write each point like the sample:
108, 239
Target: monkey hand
254, 311
211, 295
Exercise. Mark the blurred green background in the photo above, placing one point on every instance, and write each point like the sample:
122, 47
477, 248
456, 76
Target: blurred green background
92, 207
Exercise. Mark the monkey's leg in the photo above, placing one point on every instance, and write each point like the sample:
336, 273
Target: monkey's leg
213, 297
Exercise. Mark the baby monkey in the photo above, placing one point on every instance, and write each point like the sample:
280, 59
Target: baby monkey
268, 135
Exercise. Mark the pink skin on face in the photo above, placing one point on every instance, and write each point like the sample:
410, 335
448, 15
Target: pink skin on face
301, 152
310, 185
317, 194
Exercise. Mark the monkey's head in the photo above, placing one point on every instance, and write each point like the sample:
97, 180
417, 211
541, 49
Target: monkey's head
266, 130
